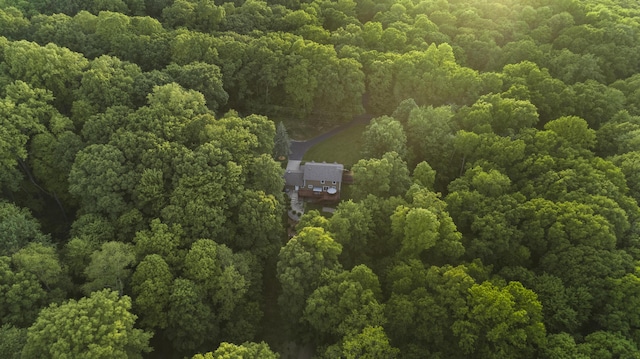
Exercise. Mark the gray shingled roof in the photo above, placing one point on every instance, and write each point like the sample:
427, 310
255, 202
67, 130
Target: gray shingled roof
293, 178
314, 171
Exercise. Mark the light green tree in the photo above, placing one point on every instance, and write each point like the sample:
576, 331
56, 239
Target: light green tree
110, 267
52, 67
100, 326
42, 261
20, 118
352, 227
502, 115
202, 77
300, 264
346, 304
382, 177
100, 180
424, 175
384, 134
370, 343
247, 350
189, 318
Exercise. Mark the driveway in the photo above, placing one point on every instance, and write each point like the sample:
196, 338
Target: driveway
293, 165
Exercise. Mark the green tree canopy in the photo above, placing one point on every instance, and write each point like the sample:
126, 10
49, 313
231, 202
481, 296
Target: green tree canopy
110, 267
346, 304
106, 324
455, 316
281, 143
12, 340
151, 285
247, 350
18, 228
384, 177
382, 135
300, 265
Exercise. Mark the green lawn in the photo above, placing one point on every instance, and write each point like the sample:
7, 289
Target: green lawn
342, 148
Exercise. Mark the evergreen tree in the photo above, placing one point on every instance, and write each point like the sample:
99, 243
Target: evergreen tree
282, 143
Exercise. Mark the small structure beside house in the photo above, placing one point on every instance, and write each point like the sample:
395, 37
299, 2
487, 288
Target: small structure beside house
316, 181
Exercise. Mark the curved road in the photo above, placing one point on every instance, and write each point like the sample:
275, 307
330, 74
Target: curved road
299, 148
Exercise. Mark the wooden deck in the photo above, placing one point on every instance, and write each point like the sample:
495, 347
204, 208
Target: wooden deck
347, 177
318, 197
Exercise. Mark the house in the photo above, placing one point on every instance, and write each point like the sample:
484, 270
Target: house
315, 181
323, 176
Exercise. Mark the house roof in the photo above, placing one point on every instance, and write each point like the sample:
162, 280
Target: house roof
315, 171
293, 178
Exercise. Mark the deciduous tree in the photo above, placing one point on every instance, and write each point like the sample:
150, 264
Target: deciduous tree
384, 177
300, 265
247, 350
104, 321
151, 286
382, 135
18, 228
110, 267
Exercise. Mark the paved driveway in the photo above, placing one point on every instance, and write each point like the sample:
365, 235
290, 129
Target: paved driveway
293, 165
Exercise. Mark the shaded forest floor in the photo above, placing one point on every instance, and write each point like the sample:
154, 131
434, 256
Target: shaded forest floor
274, 331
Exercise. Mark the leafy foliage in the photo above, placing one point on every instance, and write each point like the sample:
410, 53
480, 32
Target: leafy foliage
105, 324
494, 210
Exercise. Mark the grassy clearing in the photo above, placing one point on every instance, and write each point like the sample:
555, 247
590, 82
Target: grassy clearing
343, 148
302, 131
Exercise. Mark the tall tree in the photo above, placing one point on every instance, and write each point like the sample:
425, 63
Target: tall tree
12, 340
54, 68
110, 267
500, 115
370, 343
202, 77
21, 295
100, 180
384, 134
109, 82
281, 143
247, 350
444, 311
188, 317
300, 265
347, 303
384, 177
104, 321
430, 134
151, 285
23, 114
18, 228
41, 261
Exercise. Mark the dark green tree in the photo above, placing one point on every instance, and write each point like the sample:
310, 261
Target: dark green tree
18, 228
12, 340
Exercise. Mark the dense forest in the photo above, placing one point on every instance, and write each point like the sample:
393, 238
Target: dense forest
494, 211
